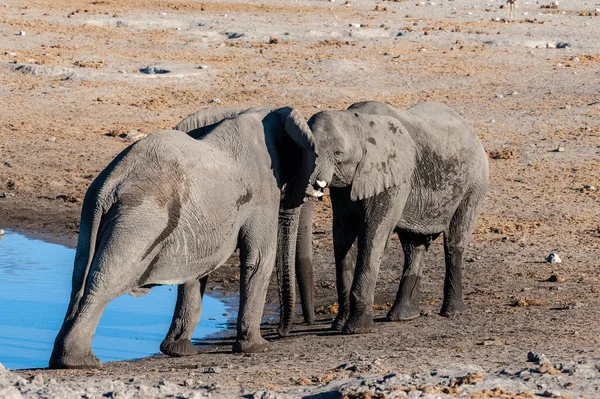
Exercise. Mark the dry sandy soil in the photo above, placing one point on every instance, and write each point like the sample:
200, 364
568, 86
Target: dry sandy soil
70, 87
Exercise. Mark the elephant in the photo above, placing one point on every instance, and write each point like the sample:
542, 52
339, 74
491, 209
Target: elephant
189, 295
417, 173
170, 209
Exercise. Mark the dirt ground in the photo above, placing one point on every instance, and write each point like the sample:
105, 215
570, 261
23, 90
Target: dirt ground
71, 87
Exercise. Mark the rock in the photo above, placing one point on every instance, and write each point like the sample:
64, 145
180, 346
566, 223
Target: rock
10, 393
552, 394
1, 232
134, 135
52, 139
563, 44
234, 35
22, 33
203, 67
573, 305
273, 40
553, 258
153, 70
354, 25
559, 149
556, 278
10, 53
46, 71
537, 358
588, 187
212, 370
499, 96
216, 101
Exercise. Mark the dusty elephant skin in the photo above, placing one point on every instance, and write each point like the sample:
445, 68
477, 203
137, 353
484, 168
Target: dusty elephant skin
163, 213
293, 222
418, 173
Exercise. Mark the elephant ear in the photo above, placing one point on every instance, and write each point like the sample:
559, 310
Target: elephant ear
198, 123
298, 158
389, 156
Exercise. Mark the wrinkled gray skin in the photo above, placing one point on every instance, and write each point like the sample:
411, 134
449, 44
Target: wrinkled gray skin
170, 209
189, 296
418, 173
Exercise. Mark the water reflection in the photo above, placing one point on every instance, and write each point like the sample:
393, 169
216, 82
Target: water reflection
35, 284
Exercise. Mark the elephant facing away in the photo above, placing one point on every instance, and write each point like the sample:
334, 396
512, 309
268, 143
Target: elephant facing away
418, 173
189, 296
170, 209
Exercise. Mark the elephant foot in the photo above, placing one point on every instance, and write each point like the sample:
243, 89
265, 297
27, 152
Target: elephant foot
179, 348
310, 319
67, 361
403, 313
283, 331
359, 325
338, 323
251, 346
453, 307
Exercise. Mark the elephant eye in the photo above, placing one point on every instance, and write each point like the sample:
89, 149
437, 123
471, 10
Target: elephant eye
338, 153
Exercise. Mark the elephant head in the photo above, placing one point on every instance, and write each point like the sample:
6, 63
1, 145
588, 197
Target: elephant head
371, 153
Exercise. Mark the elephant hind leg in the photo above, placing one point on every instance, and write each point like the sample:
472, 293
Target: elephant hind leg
456, 239
188, 309
406, 305
73, 344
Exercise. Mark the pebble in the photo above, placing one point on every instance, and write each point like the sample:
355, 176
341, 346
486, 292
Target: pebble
552, 394
216, 101
354, 25
573, 305
589, 187
203, 67
134, 135
1, 232
212, 370
537, 358
22, 33
553, 258
499, 96
559, 149
576, 59
10, 53
52, 139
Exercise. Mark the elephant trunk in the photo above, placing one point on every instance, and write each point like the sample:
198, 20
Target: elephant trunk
304, 266
286, 251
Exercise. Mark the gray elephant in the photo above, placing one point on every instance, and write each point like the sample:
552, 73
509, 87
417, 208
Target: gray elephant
418, 173
178, 340
170, 209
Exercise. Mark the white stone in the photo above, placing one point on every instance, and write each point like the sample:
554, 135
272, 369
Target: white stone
553, 258
216, 101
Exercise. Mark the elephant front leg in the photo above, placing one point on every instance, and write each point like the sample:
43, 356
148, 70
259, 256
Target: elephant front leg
406, 305
185, 319
345, 231
257, 256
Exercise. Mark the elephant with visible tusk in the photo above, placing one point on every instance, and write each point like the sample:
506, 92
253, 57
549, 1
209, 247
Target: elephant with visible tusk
417, 173
178, 339
170, 209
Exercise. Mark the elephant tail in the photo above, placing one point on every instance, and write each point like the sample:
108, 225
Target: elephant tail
91, 216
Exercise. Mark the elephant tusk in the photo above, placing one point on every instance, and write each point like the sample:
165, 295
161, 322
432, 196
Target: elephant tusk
314, 193
321, 183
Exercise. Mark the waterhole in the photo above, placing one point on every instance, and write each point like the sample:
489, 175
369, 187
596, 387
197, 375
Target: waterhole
35, 285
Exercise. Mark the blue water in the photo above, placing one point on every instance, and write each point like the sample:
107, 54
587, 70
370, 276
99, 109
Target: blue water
35, 286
